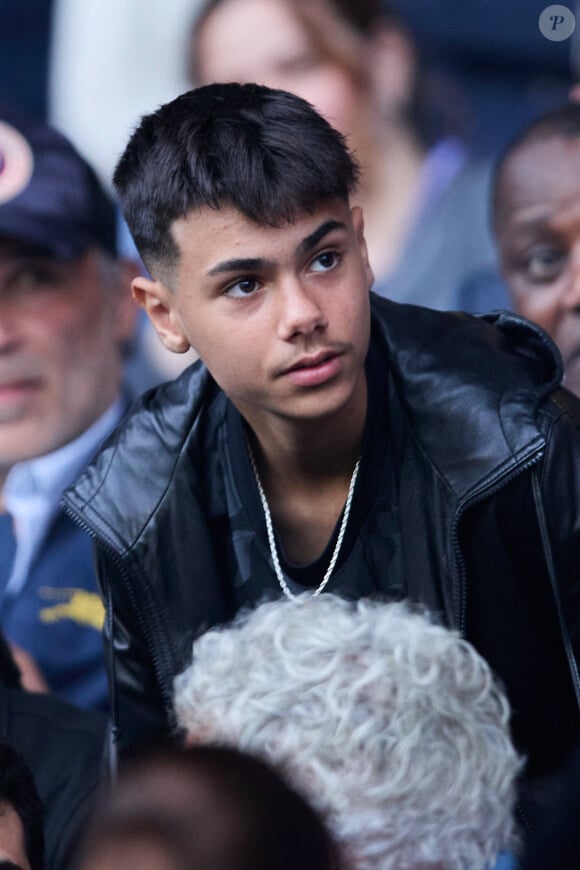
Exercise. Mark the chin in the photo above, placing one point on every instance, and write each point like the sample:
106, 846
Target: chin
322, 407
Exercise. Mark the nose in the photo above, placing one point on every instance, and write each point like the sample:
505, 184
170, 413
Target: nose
300, 311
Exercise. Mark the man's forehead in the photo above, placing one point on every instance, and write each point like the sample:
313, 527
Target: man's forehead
539, 179
541, 166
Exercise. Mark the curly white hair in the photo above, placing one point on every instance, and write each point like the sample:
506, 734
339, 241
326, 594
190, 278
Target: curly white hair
392, 726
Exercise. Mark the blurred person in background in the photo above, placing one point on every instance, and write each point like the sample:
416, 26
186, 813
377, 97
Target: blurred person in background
97, 83
21, 814
97, 88
391, 724
63, 748
204, 808
425, 205
66, 314
536, 217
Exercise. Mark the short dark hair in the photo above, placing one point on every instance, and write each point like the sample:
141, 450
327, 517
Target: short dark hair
562, 122
265, 152
18, 790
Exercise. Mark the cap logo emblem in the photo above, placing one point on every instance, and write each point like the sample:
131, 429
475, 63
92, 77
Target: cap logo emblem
16, 163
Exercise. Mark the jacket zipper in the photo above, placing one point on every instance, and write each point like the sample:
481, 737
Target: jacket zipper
468, 502
109, 548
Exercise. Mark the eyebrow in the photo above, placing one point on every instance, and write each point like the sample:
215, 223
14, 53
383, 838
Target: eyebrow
312, 240
254, 264
524, 227
241, 264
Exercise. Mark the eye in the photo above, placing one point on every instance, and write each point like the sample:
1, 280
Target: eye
325, 261
32, 279
242, 289
543, 264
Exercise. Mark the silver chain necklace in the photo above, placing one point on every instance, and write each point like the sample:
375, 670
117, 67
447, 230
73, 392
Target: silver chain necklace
270, 529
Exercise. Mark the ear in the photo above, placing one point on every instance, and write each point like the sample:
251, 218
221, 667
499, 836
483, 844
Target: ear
159, 303
125, 313
359, 229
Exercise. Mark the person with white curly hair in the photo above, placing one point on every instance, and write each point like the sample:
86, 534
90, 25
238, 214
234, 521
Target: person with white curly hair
393, 726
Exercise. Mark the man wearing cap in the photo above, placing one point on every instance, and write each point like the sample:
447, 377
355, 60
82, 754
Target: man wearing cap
65, 314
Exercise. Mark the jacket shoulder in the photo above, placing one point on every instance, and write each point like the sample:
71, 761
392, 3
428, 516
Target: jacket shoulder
470, 388
490, 347
121, 488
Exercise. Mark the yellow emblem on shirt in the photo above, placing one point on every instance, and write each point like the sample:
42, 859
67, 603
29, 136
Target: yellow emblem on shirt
85, 608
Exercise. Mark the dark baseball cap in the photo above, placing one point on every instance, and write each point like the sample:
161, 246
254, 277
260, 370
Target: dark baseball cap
50, 198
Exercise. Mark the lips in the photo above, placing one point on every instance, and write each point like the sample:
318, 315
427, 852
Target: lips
311, 362
17, 381
315, 370
17, 387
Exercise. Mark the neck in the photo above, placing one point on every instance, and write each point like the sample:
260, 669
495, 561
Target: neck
304, 475
308, 453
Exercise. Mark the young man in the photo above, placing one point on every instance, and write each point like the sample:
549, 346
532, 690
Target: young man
327, 439
536, 209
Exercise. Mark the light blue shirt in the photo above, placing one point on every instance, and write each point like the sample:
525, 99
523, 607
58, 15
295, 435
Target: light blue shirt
33, 489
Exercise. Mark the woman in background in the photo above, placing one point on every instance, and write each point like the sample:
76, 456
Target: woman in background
425, 208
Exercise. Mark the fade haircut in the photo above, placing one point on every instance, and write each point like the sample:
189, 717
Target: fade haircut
265, 152
393, 726
562, 122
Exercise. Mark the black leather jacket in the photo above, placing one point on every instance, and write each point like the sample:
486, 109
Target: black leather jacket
489, 469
